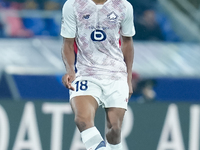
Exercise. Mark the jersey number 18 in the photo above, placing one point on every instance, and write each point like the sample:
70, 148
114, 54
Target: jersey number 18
82, 85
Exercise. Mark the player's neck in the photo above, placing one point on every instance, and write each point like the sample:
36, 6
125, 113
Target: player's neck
99, 2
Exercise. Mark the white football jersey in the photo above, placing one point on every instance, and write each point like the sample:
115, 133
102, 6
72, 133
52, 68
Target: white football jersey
97, 29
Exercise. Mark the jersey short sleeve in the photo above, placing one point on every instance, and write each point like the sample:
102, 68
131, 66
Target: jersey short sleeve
127, 25
68, 27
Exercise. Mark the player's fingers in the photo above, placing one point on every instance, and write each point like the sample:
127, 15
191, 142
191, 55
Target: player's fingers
130, 95
66, 82
130, 90
71, 87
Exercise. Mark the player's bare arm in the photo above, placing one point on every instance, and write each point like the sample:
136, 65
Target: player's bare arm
68, 57
128, 52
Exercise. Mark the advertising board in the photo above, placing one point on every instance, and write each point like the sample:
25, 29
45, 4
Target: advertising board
50, 126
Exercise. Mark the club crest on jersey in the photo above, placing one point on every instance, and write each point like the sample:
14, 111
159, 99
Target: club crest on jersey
86, 16
112, 16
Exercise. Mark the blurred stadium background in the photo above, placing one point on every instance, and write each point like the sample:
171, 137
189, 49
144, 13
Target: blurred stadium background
166, 78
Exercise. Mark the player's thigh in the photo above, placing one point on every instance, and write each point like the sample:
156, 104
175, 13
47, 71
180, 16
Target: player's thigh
115, 117
84, 106
116, 94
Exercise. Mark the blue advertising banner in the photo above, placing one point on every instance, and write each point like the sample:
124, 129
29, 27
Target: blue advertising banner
50, 87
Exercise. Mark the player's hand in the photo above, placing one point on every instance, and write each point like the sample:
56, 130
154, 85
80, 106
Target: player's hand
67, 81
130, 89
129, 80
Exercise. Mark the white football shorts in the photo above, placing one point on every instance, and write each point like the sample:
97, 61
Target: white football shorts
108, 93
